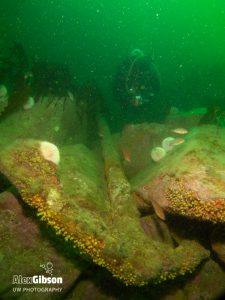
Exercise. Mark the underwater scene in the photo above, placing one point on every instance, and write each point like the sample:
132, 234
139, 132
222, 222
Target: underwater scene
112, 149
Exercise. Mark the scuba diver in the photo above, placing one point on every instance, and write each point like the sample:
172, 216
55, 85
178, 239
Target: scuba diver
136, 85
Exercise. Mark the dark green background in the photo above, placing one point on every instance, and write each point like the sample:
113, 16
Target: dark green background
186, 38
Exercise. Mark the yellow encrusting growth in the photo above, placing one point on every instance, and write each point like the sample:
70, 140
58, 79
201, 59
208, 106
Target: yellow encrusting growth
86, 243
186, 203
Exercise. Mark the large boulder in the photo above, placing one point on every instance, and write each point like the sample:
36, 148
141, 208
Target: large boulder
190, 180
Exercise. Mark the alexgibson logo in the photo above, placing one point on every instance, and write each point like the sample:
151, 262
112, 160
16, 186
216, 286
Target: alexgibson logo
38, 279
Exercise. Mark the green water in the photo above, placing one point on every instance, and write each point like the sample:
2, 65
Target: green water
186, 39
186, 42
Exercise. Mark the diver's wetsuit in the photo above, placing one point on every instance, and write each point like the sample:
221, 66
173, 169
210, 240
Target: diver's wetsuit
136, 86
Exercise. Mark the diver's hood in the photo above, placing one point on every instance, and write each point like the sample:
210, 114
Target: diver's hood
136, 52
